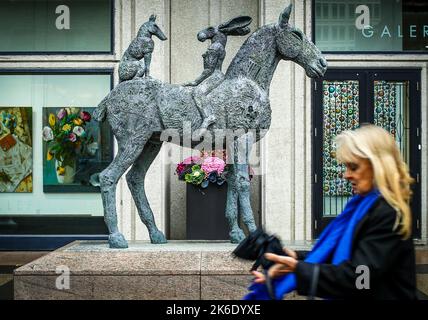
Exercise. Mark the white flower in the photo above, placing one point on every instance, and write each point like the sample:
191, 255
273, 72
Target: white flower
78, 131
92, 148
74, 110
47, 134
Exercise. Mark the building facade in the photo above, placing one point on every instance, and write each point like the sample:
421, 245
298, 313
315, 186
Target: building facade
377, 58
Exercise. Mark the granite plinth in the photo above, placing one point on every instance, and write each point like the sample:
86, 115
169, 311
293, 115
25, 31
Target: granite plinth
179, 270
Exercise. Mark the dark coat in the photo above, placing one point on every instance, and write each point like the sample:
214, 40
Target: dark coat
390, 261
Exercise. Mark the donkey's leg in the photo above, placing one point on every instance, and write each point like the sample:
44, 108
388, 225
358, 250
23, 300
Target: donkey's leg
135, 178
236, 234
239, 189
109, 177
247, 216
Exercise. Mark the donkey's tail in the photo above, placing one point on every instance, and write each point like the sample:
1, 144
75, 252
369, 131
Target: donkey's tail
101, 110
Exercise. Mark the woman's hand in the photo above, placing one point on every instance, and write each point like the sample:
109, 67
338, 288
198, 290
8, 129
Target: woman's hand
282, 266
260, 277
290, 252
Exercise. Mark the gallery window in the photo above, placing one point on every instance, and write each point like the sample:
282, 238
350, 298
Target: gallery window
56, 26
371, 25
51, 150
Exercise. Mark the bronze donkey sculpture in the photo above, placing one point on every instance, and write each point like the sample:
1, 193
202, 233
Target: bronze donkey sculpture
140, 109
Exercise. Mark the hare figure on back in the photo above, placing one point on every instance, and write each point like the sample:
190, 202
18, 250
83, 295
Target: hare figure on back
213, 59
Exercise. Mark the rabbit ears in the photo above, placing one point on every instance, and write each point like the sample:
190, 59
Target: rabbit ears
236, 27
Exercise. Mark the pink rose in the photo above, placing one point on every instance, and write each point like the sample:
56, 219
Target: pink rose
85, 116
180, 168
72, 137
212, 164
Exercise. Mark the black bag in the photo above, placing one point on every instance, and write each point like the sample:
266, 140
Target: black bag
256, 245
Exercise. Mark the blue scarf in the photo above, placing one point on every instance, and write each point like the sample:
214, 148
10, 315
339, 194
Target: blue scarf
335, 241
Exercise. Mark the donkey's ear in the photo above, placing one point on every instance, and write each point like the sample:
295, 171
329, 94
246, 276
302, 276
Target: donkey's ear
152, 18
236, 26
285, 16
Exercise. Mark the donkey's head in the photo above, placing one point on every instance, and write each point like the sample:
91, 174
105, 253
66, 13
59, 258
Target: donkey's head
235, 27
293, 45
154, 29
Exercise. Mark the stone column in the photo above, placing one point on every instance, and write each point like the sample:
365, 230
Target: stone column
286, 188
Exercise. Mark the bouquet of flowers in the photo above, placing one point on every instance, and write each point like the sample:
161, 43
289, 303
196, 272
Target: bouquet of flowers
9, 121
201, 170
66, 136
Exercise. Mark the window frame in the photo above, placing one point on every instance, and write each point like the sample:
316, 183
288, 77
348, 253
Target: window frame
313, 38
51, 231
72, 53
366, 76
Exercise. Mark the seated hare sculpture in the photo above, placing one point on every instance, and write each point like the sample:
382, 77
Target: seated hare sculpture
213, 59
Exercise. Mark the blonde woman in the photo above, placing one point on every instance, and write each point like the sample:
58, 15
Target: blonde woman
366, 252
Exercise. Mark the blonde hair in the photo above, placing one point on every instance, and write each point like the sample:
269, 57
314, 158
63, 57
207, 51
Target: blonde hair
391, 174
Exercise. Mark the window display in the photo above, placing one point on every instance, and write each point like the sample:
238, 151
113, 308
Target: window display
59, 100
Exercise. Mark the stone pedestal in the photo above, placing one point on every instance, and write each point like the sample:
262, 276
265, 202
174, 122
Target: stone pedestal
176, 270
179, 270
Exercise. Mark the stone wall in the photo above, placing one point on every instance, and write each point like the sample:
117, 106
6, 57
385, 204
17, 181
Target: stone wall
281, 197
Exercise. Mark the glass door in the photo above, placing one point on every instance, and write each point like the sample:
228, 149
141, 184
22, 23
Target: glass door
340, 112
343, 100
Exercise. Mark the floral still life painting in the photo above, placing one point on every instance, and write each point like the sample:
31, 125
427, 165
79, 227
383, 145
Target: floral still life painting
74, 148
16, 149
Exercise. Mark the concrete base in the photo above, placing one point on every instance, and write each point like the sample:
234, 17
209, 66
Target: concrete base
176, 270
179, 270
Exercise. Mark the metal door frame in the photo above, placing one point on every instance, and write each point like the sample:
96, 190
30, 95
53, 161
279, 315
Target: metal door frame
366, 78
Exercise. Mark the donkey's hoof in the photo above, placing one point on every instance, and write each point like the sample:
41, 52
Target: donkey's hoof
117, 241
236, 235
157, 237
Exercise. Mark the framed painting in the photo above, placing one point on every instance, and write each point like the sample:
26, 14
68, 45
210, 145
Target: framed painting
16, 149
76, 149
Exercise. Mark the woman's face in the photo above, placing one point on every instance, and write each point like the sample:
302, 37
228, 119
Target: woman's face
360, 174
